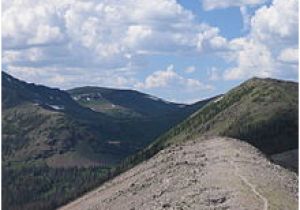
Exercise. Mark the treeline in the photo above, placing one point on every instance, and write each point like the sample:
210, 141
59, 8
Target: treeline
47, 188
275, 135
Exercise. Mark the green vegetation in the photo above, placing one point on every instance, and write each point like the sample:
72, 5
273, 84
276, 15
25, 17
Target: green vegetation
263, 112
40, 187
54, 148
127, 101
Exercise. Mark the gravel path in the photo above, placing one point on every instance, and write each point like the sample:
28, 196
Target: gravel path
215, 173
252, 187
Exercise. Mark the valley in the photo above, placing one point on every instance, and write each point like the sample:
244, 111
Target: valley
61, 144
65, 146
150, 105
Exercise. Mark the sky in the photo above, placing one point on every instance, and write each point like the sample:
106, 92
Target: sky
181, 51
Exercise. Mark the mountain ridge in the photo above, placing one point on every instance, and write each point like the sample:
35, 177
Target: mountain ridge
254, 111
206, 173
68, 148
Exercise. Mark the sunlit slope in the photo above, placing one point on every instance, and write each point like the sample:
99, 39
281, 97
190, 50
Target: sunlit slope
263, 112
206, 173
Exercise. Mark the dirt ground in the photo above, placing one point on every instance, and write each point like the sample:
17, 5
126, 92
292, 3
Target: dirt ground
216, 173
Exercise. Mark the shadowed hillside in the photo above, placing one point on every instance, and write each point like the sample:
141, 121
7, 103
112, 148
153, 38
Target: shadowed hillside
58, 147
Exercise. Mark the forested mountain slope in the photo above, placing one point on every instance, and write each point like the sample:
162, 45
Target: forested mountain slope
58, 148
262, 112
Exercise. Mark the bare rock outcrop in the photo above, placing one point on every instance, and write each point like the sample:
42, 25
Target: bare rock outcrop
216, 173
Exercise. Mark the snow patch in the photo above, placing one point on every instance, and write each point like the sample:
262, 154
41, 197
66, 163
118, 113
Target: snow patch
158, 99
218, 99
114, 142
57, 107
153, 98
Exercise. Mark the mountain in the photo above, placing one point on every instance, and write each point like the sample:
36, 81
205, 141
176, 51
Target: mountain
206, 173
47, 146
262, 112
191, 167
41, 122
58, 145
139, 111
130, 103
126, 102
52, 122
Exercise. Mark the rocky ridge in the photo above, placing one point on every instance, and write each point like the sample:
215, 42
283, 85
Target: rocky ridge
213, 173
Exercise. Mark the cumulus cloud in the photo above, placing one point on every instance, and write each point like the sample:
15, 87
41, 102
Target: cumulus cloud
30, 23
289, 55
106, 30
159, 79
104, 42
272, 40
52, 76
252, 58
169, 78
217, 4
276, 24
97, 35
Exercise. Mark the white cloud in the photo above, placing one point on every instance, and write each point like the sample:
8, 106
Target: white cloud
252, 58
136, 33
217, 4
52, 77
174, 87
159, 79
99, 26
289, 55
276, 24
97, 35
27, 23
57, 80
170, 79
190, 69
105, 42
210, 40
267, 50
218, 42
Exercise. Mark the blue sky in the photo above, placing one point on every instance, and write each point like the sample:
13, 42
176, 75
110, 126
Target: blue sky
228, 20
181, 51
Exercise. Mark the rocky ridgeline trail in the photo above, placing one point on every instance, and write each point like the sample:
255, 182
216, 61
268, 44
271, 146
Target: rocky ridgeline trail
216, 173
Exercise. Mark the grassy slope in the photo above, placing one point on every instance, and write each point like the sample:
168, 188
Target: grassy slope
148, 116
130, 101
263, 112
